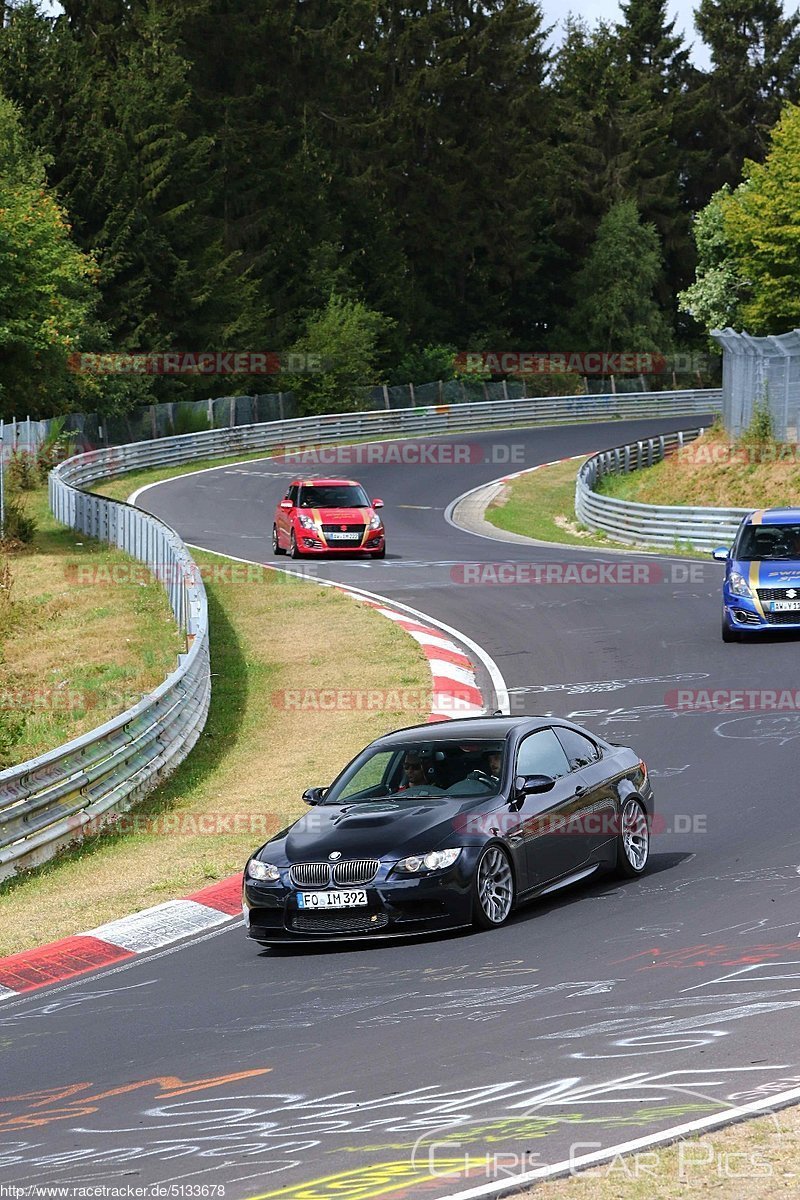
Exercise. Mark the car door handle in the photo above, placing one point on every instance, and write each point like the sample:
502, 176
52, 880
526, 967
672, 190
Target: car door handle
581, 791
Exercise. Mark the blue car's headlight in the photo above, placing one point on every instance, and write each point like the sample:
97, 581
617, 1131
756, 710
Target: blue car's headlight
436, 860
739, 585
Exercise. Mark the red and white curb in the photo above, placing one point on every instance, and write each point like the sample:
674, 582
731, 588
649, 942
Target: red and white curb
150, 929
455, 689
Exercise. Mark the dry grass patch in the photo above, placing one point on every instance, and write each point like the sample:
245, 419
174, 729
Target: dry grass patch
754, 1160
73, 655
244, 779
717, 472
541, 504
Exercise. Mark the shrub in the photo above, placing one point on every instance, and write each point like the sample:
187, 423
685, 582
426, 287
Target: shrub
57, 445
21, 474
19, 527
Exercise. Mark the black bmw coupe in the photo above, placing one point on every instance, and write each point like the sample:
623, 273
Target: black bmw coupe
446, 825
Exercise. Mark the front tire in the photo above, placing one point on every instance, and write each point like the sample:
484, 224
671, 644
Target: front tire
379, 553
294, 550
633, 840
276, 545
493, 888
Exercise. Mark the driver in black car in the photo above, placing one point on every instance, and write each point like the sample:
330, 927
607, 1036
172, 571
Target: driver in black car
413, 773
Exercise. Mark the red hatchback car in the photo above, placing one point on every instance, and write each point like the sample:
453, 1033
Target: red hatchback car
320, 516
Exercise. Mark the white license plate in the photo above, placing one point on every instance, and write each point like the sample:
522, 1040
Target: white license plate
343, 537
785, 606
339, 899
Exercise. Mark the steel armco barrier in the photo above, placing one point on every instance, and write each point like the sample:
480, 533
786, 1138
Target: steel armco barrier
47, 802
649, 524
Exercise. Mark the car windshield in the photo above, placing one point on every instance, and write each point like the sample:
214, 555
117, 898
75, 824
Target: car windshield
332, 495
473, 767
759, 542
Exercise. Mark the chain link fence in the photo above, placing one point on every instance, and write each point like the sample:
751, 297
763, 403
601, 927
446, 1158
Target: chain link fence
760, 370
152, 421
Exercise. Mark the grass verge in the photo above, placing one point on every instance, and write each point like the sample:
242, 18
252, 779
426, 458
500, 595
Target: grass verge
757, 1159
720, 473
73, 655
271, 635
541, 504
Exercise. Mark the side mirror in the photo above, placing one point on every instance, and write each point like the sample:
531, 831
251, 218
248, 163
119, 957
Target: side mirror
720, 553
533, 785
314, 795
286, 505
377, 504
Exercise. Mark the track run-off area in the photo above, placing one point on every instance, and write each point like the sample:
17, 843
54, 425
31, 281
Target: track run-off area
607, 1013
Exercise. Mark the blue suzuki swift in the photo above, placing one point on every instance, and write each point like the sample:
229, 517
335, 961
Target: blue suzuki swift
762, 574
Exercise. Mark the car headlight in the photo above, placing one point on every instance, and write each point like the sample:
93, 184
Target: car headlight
306, 521
375, 521
739, 585
436, 860
263, 871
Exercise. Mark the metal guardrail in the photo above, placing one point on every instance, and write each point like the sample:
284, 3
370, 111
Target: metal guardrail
330, 428
649, 524
47, 802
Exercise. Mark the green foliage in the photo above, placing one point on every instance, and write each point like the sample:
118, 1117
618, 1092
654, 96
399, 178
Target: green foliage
435, 163
616, 309
188, 418
19, 527
46, 283
57, 445
715, 298
755, 55
341, 343
20, 471
424, 364
761, 221
760, 431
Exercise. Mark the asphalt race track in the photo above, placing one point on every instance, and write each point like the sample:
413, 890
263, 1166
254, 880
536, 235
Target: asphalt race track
608, 1012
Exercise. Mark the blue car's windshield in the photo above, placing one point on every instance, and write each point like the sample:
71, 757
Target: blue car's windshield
775, 542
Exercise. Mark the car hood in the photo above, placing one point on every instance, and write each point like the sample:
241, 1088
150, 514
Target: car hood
771, 574
340, 516
380, 829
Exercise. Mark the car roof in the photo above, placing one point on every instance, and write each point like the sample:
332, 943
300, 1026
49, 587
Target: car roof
489, 728
773, 516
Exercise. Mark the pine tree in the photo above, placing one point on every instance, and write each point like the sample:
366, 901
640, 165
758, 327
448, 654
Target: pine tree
755, 55
616, 308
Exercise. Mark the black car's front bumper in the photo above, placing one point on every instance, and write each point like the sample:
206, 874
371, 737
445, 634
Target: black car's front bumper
395, 908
